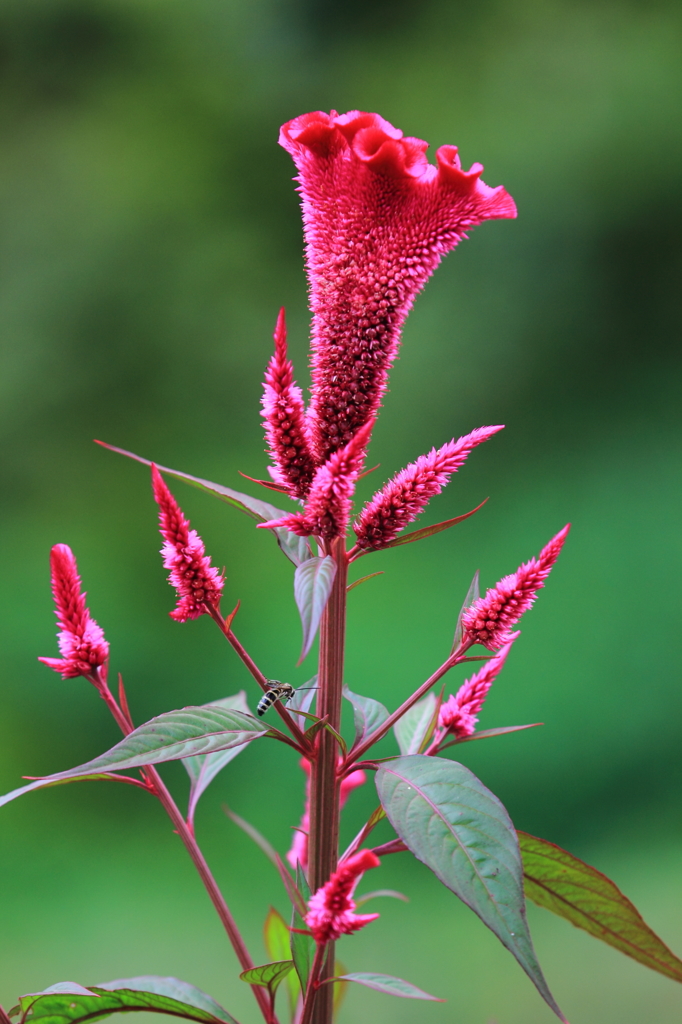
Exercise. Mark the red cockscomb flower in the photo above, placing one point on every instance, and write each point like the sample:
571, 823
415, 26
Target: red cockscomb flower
459, 714
378, 219
196, 582
489, 619
81, 641
403, 498
330, 913
284, 415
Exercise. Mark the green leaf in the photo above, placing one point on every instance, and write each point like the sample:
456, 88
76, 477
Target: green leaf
302, 946
562, 883
486, 734
366, 896
269, 976
368, 714
351, 586
428, 531
297, 549
172, 736
411, 729
203, 768
278, 945
473, 594
460, 830
271, 853
302, 700
390, 985
313, 582
69, 1003
48, 783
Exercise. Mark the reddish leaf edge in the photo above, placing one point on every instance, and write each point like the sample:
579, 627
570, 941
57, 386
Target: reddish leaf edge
426, 531
667, 963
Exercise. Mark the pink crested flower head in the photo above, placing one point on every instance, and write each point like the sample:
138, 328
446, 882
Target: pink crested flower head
489, 619
195, 581
330, 914
298, 854
328, 506
284, 415
378, 218
81, 641
459, 714
404, 497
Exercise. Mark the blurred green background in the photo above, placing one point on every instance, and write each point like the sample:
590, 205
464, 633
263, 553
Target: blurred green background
149, 233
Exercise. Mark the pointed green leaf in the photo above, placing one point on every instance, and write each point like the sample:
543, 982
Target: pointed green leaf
366, 896
460, 830
428, 531
278, 945
312, 586
172, 736
203, 768
302, 945
562, 883
302, 700
269, 976
363, 579
297, 549
473, 594
368, 714
48, 783
390, 985
411, 729
69, 1003
486, 734
272, 855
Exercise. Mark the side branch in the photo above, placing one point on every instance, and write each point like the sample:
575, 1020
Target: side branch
379, 733
262, 680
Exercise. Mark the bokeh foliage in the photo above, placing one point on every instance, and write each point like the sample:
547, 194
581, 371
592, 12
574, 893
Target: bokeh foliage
149, 233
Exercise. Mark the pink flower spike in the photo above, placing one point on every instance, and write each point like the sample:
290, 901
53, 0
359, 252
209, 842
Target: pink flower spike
81, 641
298, 854
284, 415
196, 582
330, 913
327, 509
489, 619
378, 218
459, 714
404, 497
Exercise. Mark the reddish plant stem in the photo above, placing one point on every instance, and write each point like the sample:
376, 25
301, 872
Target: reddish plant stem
362, 748
324, 783
316, 995
261, 679
156, 786
4, 1019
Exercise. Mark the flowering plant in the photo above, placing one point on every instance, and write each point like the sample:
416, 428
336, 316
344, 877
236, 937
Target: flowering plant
378, 218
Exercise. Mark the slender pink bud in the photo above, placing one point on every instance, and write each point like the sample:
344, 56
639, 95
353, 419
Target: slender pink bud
404, 497
459, 714
81, 641
183, 553
378, 218
284, 415
330, 913
489, 619
298, 854
327, 509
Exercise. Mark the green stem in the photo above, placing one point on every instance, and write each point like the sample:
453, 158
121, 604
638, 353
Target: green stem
324, 784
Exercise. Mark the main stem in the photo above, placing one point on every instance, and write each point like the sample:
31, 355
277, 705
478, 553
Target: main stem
323, 843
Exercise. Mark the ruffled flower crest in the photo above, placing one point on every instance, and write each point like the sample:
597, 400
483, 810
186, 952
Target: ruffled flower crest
378, 218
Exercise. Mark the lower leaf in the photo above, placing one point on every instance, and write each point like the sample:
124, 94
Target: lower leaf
69, 1003
390, 985
562, 883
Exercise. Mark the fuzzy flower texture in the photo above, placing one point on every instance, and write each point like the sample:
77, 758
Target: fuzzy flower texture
84, 651
459, 713
378, 218
331, 909
191, 573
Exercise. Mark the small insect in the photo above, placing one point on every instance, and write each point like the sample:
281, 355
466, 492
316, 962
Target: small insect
282, 692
